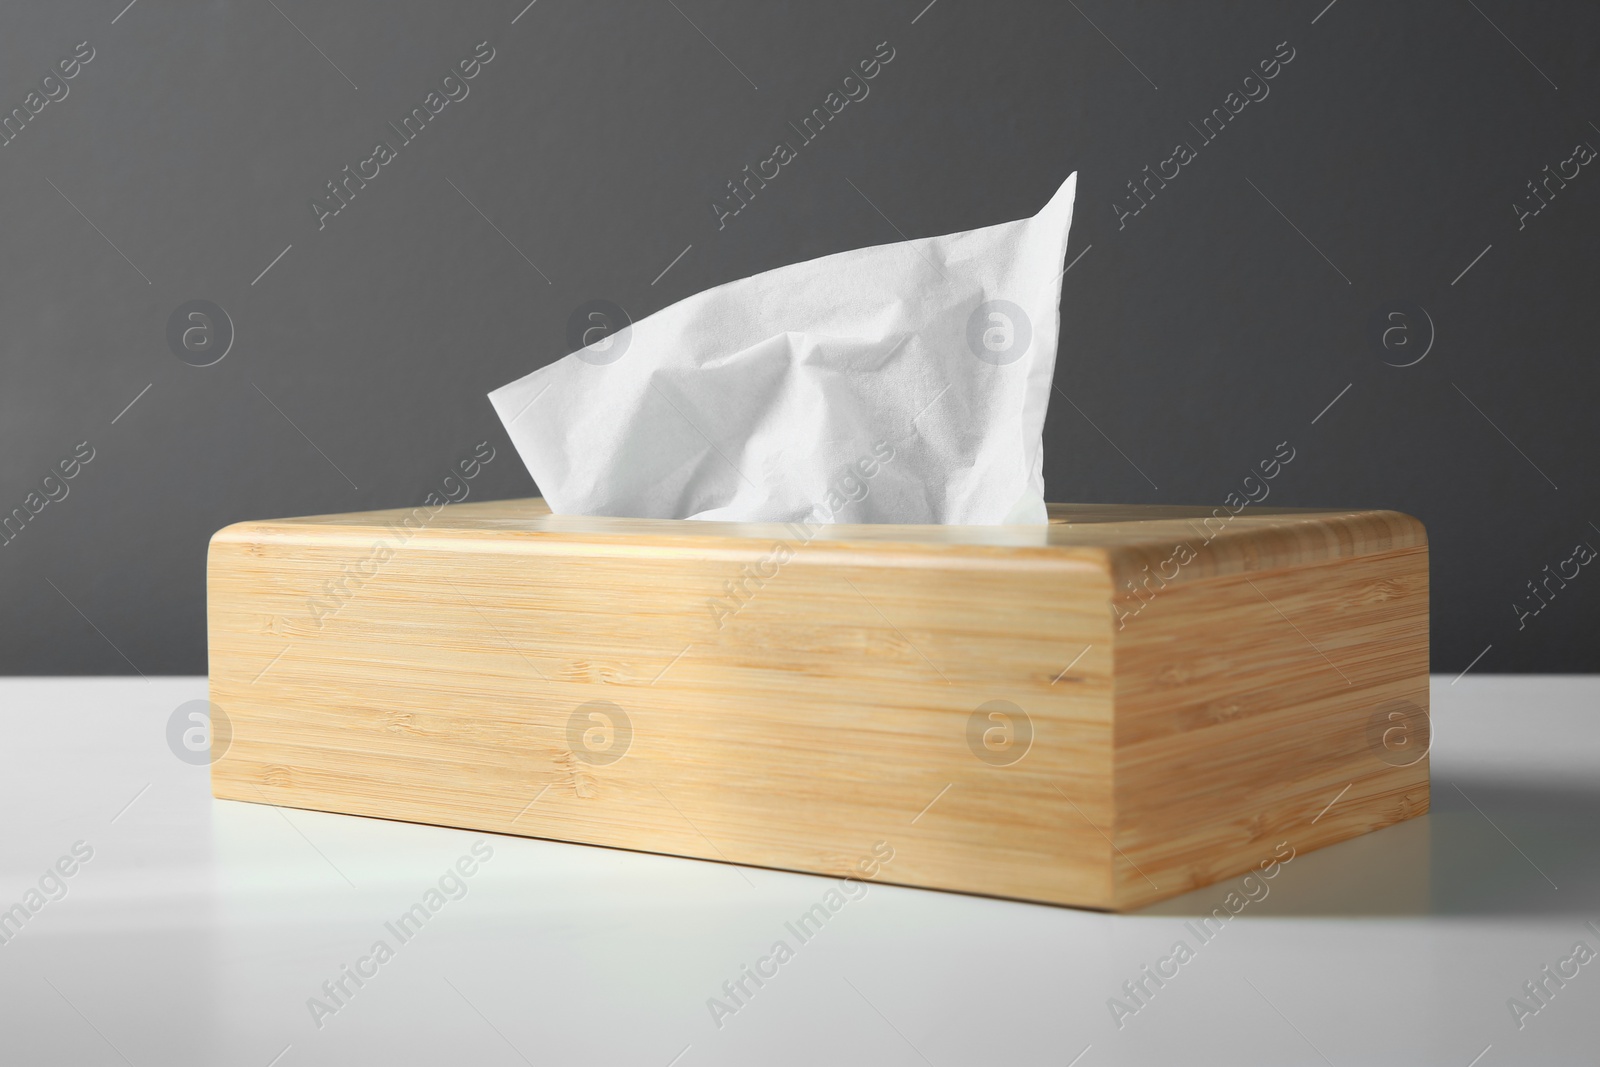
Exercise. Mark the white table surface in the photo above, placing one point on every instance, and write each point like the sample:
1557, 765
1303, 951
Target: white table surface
199, 929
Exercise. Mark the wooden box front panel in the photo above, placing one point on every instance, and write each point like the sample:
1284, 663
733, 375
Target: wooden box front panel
786, 708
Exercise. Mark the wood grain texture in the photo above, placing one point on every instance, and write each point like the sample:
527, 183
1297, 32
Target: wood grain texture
793, 697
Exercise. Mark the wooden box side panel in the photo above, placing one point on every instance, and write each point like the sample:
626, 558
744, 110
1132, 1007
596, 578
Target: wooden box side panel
1258, 709
784, 709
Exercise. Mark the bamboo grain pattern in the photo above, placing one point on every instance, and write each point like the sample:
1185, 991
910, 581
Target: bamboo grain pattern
1177, 735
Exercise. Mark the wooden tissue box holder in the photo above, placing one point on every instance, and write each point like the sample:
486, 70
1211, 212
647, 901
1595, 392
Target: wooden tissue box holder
1121, 706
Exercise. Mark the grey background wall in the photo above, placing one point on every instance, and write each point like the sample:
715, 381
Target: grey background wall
1382, 172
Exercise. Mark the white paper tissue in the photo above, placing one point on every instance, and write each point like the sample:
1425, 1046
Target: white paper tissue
901, 383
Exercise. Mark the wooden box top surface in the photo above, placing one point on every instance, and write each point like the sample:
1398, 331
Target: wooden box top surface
1120, 537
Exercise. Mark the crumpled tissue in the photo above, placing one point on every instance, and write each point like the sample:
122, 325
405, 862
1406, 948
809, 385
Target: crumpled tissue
902, 383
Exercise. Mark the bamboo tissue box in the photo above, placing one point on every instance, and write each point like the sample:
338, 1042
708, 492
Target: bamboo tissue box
1121, 706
